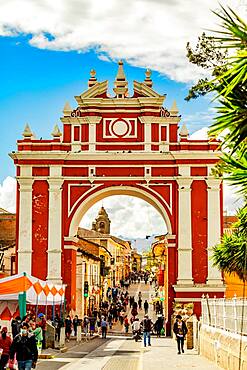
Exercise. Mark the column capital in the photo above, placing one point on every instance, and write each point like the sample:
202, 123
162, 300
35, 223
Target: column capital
213, 184
184, 184
25, 183
55, 184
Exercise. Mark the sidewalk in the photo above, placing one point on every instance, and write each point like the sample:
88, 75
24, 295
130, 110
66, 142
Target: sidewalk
163, 355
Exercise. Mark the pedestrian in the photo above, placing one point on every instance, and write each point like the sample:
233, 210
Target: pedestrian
104, 325
92, 321
5, 343
180, 330
75, 324
15, 326
159, 325
43, 326
57, 323
146, 306
24, 346
68, 327
85, 324
126, 324
36, 330
140, 303
121, 317
110, 320
147, 328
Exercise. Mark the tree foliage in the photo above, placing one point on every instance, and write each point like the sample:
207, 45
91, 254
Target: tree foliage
230, 255
225, 56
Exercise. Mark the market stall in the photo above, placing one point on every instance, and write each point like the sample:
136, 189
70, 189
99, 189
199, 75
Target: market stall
18, 291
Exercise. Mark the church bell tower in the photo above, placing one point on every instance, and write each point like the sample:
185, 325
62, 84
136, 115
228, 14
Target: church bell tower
102, 222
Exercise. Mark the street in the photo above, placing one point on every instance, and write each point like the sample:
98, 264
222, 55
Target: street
121, 352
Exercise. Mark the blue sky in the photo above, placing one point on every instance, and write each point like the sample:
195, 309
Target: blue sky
49, 47
35, 83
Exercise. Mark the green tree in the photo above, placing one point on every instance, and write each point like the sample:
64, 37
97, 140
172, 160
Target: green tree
230, 255
229, 86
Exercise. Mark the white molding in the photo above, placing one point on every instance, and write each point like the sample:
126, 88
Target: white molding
153, 165
72, 247
112, 135
73, 134
92, 137
116, 190
189, 299
100, 155
167, 133
203, 288
92, 187
148, 137
148, 186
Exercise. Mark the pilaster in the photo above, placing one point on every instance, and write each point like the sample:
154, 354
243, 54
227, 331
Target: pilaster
184, 233
92, 137
148, 136
214, 228
55, 225
25, 225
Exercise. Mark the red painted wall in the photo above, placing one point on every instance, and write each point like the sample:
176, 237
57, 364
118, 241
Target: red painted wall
40, 209
69, 277
199, 231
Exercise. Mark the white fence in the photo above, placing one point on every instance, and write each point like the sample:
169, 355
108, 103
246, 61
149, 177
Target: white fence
227, 314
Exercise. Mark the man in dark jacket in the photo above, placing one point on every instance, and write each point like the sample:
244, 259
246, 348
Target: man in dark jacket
180, 329
24, 345
147, 327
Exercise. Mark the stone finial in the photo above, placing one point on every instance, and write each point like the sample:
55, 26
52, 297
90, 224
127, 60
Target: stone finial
174, 109
121, 85
56, 133
148, 81
27, 133
92, 80
67, 109
184, 133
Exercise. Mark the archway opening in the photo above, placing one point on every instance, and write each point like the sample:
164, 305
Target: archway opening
124, 226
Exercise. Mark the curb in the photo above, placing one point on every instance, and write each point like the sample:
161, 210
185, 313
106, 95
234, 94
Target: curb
49, 356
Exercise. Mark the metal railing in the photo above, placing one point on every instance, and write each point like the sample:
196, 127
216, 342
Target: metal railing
226, 314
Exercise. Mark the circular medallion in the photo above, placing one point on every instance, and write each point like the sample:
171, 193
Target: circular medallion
120, 128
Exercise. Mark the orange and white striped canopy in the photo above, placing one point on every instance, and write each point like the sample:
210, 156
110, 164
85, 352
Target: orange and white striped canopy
43, 292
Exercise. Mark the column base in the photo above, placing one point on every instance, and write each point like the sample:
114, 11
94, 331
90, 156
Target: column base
189, 282
215, 282
54, 280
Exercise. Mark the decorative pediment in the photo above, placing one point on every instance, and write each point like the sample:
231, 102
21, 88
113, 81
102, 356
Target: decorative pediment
143, 90
93, 92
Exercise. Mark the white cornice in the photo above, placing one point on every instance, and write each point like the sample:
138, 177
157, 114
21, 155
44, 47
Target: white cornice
199, 288
111, 156
153, 119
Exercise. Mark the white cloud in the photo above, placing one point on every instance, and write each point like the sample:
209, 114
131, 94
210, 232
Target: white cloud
201, 134
232, 200
146, 33
8, 194
130, 217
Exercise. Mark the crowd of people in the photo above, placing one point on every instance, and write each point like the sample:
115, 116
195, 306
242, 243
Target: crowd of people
29, 334
28, 337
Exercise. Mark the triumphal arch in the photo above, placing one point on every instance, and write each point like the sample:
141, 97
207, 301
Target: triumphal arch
111, 145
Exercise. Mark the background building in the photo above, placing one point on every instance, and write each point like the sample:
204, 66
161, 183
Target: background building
7, 243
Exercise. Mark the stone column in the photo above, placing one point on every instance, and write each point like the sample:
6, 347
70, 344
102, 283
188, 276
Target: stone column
55, 227
184, 233
25, 226
214, 228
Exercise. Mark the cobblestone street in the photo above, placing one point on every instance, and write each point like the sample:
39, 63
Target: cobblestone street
121, 352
